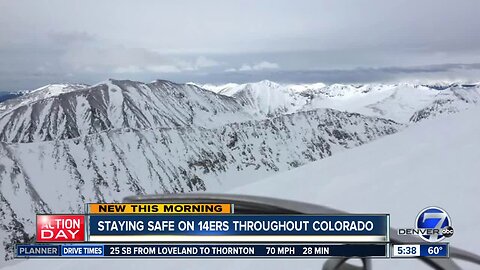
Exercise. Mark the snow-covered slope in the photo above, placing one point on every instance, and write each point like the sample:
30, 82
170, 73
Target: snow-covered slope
267, 98
54, 113
65, 146
405, 102
216, 88
455, 99
433, 163
62, 175
401, 102
27, 97
68, 111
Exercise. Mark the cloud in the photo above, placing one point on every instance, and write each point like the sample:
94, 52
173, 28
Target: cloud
69, 38
128, 69
82, 53
163, 69
204, 62
245, 67
201, 62
126, 60
62, 57
264, 65
42, 44
458, 72
156, 69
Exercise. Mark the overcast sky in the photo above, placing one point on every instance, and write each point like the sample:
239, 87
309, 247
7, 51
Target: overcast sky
214, 41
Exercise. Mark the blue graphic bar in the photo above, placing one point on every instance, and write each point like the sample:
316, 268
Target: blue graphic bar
52, 250
82, 250
203, 251
434, 250
253, 225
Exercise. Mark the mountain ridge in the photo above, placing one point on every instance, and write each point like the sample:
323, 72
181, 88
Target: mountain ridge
63, 175
400, 102
117, 103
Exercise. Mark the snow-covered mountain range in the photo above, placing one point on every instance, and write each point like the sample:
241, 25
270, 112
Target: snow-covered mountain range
69, 111
403, 102
396, 178
64, 145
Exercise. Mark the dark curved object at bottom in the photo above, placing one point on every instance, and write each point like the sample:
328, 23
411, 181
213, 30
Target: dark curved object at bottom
246, 204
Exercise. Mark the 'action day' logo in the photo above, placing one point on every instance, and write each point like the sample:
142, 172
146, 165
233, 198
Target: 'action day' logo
60, 228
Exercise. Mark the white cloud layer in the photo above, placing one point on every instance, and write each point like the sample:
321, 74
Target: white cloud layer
45, 41
264, 65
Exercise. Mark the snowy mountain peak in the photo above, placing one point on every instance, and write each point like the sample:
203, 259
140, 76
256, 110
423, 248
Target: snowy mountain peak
57, 89
69, 110
115, 104
311, 87
403, 102
267, 83
104, 166
44, 92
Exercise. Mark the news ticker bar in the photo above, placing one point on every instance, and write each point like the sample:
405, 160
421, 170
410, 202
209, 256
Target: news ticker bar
201, 250
231, 250
420, 250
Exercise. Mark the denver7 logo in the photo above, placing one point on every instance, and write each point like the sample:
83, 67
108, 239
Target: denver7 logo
435, 219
